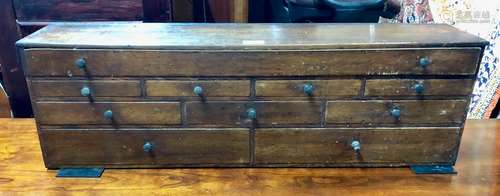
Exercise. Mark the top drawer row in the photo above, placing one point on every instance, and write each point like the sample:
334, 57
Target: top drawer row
65, 62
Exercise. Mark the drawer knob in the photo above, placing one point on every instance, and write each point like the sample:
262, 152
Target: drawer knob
147, 147
198, 90
108, 114
308, 89
419, 88
395, 112
251, 113
85, 91
356, 145
81, 63
424, 62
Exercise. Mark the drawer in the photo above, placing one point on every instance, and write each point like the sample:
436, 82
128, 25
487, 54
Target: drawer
265, 113
78, 88
430, 87
396, 112
147, 148
307, 88
205, 88
325, 146
76, 113
102, 62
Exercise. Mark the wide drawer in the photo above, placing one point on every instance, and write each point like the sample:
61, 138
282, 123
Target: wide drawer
307, 88
96, 88
323, 146
202, 88
108, 113
430, 87
266, 113
440, 61
377, 112
143, 148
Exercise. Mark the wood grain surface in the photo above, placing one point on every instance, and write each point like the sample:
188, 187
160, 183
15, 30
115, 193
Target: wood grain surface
294, 88
23, 173
211, 88
98, 88
402, 87
114, 62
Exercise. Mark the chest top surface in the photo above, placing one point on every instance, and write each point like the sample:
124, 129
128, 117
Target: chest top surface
192, 36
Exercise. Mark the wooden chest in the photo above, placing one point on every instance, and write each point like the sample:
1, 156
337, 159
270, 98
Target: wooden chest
250, 95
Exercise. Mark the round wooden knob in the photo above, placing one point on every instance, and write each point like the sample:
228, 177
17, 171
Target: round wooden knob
424, 62
85, 91
356, 145
419, 88
147, 147
81, 63
198, 90
395, 112
251, 113
308, 89
108, 114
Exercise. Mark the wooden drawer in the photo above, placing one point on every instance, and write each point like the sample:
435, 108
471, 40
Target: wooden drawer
431, 87
168, 147
98, 88
324, 146
268, 113
444, 61
76, 113
210, 88
377, 112
307, 88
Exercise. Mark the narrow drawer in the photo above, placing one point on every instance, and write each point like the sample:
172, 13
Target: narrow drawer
434, 61
96, 88
265, 113
396, 112
145, 148
208, 88
76, 113
307, 88
431, 87
325, 146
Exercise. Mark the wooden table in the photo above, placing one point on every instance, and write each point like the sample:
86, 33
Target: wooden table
22, 172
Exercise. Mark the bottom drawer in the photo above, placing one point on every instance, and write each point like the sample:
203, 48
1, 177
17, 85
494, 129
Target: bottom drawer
145, 148
377, 146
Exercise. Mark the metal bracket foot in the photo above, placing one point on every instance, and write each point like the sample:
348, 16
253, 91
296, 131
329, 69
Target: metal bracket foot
80, 172
433, 169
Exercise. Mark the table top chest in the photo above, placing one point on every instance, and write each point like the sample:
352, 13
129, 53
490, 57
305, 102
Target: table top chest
244, 95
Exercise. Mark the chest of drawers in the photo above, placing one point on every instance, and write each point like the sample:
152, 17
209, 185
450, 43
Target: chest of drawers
250, 95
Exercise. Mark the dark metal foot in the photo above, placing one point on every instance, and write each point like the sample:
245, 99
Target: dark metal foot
433, 169
80, 172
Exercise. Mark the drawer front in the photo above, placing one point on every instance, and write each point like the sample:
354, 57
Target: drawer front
112, 148
209, 88
431, 87
307, 88
266, 113
109, 113
410, 112
334, 146
445, 61
76, 88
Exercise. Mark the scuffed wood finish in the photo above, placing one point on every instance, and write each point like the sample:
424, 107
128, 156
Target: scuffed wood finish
120, 148
268, 113
23, 172
88, 10
373, 113
78, 113
98, 88
211, 88
58, 62
294, 88
250, 36
434, 87
333, 146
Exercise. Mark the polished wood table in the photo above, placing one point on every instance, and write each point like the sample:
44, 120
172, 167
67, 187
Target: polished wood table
22, 172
